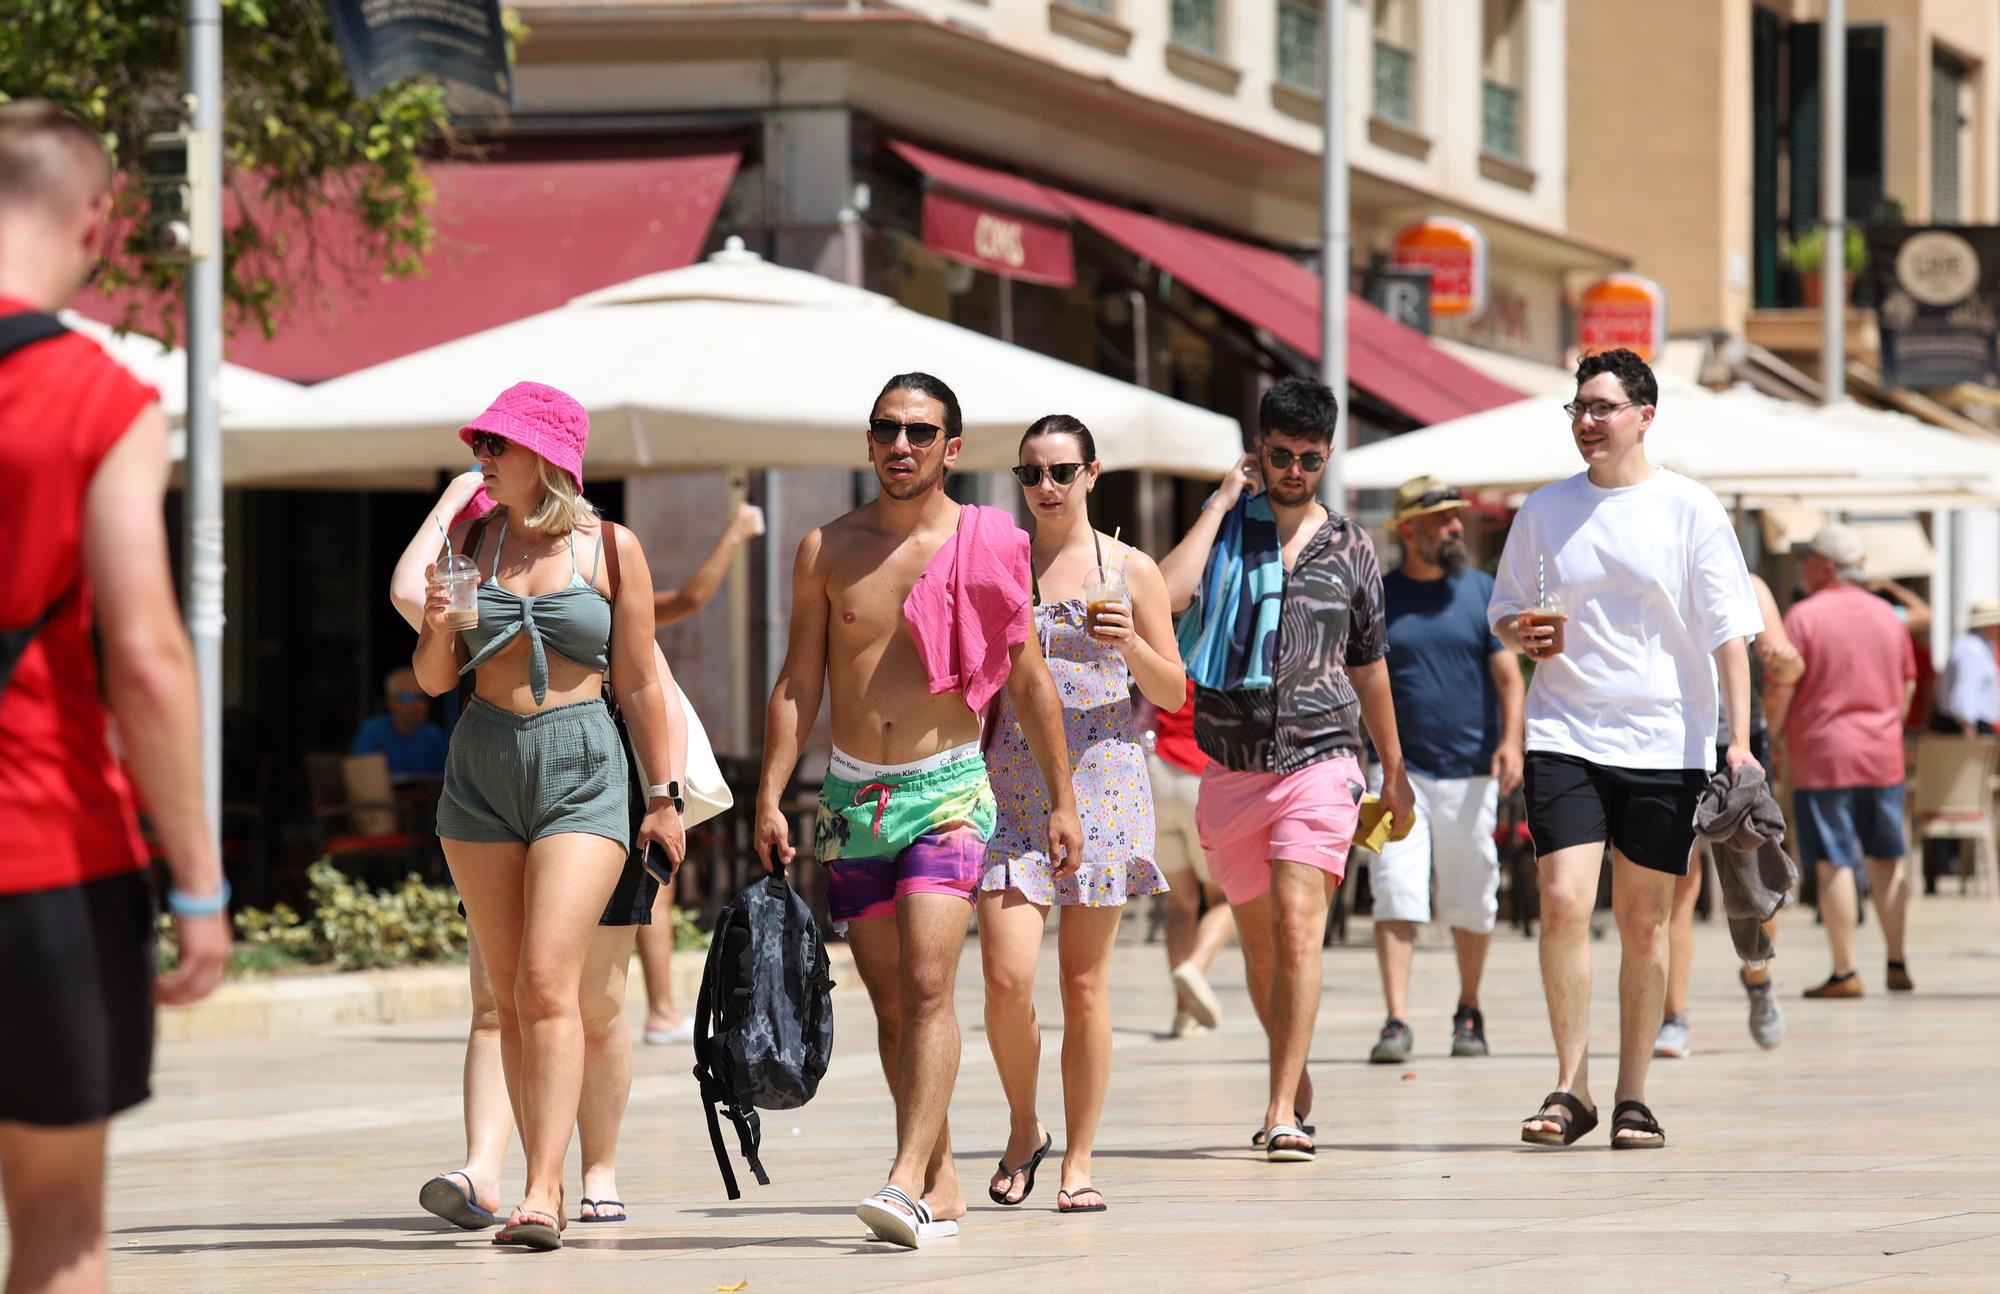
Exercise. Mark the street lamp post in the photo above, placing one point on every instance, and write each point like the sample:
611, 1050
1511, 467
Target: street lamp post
1334, 239
202, 489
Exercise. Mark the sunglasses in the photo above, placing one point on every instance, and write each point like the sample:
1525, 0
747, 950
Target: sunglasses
410, 698
1311, 460
485, 442
883, 431
1060, 473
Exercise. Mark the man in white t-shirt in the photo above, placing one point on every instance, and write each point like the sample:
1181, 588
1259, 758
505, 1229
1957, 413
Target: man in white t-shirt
1622, 716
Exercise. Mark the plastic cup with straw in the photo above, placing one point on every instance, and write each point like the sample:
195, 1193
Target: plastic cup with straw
460, 576
1108, 589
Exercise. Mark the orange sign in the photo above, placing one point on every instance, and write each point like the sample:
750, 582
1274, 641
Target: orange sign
1455, 254
1625, 311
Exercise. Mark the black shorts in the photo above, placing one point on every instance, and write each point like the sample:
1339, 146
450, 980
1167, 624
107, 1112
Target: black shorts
78, 968
1646, 813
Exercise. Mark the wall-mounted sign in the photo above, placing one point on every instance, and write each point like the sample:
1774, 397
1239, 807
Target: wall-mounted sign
1937, 293
1622, 312
1403, 295
1455, 254
998, 239
386, 41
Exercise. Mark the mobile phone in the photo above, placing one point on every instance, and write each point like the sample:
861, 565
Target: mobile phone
657, 864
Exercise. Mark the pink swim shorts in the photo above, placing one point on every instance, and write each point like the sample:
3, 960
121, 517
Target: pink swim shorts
1248, 819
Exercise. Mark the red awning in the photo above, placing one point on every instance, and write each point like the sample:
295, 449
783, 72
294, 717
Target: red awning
514, 237
991, 220
1391, 362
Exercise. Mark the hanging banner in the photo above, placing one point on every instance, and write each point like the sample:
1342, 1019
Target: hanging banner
1622, 312
1937, 295
998, 240
386, 41
1455, 254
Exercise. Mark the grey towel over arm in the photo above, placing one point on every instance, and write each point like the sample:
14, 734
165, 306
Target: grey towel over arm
1746, 830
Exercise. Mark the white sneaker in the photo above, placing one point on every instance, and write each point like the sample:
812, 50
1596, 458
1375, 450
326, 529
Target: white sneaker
1672, 1044
1767, 1018
682, 1032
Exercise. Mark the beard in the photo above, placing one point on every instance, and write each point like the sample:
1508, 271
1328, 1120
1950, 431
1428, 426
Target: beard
1451, 556
1289, 496
914, 486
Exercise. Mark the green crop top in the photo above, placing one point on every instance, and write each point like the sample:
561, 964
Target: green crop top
574, 621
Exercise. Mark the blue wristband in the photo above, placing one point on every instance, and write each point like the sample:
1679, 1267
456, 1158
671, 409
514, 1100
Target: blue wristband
187, 905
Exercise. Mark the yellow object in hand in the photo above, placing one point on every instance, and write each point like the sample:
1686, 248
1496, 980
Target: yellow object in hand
1377, 827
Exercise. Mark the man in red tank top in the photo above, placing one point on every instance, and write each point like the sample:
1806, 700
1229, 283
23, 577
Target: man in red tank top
83, 469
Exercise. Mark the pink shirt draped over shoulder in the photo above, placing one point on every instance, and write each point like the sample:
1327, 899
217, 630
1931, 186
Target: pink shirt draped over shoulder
972, 606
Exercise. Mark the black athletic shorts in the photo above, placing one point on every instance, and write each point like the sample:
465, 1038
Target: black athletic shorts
1646, 813
77, 964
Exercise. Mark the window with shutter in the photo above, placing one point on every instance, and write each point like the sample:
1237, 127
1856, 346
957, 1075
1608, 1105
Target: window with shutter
1947, 131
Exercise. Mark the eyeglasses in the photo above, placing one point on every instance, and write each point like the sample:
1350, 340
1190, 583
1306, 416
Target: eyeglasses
883, 431
1060, 473
485, 442
409, 698
1596, 410
1311, 460
1449, 494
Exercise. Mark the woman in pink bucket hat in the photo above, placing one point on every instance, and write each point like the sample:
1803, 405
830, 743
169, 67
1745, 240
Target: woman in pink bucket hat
536, 817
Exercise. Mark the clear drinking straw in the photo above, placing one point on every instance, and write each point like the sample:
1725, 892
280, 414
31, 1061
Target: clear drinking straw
1541, 582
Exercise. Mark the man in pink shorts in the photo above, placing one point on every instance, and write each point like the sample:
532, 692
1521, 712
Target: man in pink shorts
1285, 645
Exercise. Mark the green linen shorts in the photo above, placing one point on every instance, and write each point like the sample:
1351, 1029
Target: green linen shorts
519, 777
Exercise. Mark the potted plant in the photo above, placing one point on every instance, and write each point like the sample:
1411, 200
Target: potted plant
1806, 253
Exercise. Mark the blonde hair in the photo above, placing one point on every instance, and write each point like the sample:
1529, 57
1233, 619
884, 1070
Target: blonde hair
563, 506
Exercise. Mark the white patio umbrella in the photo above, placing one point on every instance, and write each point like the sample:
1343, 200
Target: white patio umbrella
733, 362
164, 368
1740, 442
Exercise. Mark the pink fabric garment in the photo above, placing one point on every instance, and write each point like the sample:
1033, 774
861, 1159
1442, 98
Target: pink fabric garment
1845, 727
481, 504
971, 606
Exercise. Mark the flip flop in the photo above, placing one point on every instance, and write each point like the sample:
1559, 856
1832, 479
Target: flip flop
441, 1196
535, 1234
1278, 1154
1027, 1187
589, 1203
1633, 1116
893, 1216
1574, 1117
1074, 1207
935, 1229
1298, 1121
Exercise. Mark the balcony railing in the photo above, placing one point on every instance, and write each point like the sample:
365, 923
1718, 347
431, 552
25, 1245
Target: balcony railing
1298, 45
1501, 135
1394, 68
1197, 25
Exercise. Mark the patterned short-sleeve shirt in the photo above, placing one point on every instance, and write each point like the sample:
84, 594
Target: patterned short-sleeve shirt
1331, 621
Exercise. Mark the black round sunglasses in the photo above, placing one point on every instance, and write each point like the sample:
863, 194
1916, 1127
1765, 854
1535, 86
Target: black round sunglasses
1060, 473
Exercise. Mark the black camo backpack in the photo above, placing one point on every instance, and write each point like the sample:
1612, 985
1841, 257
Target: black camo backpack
763, 1022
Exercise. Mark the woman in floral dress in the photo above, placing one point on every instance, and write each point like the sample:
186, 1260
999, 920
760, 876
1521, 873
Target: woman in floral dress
1095, 668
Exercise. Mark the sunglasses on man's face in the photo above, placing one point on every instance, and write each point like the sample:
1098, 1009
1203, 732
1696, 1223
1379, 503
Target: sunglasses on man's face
410, 698
885, 430
1312, 460
485, 442
1060, 473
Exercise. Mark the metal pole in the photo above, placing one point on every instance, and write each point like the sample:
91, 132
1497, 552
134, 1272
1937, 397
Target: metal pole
1833, 200
1334, 240
202, 492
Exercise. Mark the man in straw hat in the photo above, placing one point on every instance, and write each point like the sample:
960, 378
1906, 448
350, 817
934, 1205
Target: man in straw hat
1458, 697
1840, 733
1969, 701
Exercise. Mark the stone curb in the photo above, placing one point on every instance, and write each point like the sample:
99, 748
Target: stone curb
299, 1005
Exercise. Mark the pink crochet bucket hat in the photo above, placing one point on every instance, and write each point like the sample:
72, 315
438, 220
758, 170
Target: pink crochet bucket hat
539, 418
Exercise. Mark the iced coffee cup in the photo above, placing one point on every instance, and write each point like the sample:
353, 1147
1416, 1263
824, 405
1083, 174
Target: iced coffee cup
459, 575
1550, 612
1105, 589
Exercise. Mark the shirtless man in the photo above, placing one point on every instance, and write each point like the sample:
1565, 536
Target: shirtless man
907, 810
